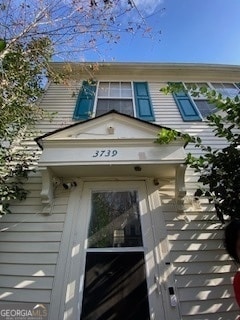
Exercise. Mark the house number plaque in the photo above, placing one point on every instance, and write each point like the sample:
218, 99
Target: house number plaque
105, 153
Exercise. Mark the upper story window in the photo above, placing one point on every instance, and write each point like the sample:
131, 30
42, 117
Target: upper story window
226, 89
115, 95
130, 98
196, 107
204, 107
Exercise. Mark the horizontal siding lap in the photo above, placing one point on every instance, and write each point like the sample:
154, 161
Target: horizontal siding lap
20, 218
201, 293
26, 209
186, 268
194, 225
194, 235
203, 280
25, 295
29, 247
209, 217
24, 269
38, 226
35, 209
29, 201
228, 315
206, 307
195, 256
30, 236
33, 193
19, 282
28, 258
32, 187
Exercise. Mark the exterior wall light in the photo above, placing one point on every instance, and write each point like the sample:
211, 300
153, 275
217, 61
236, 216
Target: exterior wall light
138, 168
69, 185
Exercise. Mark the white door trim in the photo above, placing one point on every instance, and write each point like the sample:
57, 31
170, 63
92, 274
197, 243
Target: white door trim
71, 264
155, 298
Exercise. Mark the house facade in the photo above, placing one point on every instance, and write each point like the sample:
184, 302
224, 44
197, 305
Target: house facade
110, 228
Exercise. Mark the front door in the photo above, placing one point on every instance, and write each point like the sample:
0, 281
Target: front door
120, 268
115, 287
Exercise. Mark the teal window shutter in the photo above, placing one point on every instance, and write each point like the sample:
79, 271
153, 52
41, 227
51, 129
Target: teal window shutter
85, 101
186, 106
143, 103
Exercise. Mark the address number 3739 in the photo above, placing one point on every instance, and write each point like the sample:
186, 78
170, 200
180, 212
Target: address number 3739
105, 153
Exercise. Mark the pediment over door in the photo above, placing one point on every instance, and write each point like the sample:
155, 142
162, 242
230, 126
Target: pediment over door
112, 145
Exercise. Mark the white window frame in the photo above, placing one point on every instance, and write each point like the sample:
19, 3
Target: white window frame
209, 84
200, 97
117, 98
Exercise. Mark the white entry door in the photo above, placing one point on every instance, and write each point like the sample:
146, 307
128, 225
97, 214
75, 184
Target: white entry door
119, 273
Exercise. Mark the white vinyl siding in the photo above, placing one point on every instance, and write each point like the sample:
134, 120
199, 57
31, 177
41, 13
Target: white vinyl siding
59, 100
30, 242
29, 247
202, 269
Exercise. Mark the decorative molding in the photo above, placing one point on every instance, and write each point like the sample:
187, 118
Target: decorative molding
180, 189
47, 187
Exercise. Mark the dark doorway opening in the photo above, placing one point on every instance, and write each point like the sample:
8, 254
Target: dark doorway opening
115, 287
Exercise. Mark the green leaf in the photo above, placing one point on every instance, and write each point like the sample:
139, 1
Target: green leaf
3, 44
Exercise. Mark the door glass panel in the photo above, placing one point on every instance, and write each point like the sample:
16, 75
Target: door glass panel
115, 220
115, 287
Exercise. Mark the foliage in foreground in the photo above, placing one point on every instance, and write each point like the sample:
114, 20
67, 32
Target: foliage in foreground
218, 169
31, 32
21, 73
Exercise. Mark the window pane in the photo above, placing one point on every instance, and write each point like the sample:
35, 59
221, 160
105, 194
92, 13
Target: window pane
196, 94
103, 89
126, 107
121, 105
205, 107
126, 89
115, 220
226, 89
115, 89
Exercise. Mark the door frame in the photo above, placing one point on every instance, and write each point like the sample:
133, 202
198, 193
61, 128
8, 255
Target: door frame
69, 276
147, 235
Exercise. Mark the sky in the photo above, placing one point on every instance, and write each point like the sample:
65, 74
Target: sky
192, 31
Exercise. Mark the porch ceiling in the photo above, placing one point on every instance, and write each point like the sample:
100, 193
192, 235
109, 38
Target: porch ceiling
163, 171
